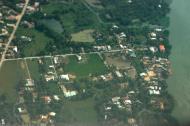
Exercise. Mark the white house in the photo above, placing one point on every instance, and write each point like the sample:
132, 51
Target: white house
65, 77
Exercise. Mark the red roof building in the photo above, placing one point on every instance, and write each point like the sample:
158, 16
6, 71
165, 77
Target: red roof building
162, 48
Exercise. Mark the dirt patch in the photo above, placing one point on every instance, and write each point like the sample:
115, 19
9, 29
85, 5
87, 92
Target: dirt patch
132, 72
118, 62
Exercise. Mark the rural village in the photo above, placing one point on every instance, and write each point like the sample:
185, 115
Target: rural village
115, 80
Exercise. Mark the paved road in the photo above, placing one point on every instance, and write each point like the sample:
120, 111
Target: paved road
13, 33
63, 55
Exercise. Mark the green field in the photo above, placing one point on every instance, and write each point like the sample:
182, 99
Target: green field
93, 65
11, 74
80, 112
38, 44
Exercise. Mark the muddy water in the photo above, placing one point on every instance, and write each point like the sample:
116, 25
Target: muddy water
179, 82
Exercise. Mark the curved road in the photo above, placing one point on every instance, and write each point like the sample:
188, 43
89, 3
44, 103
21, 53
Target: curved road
13, 33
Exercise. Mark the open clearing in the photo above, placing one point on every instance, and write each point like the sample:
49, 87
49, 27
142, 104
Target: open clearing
83, 36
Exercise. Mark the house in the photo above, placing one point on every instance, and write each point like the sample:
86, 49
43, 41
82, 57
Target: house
55, 59
152, 38
155, 92
132, 122
49, 77
153, 34
69, 93
52, 113
160, 6
29, 82
127, 102
3, 121
1, 15
56, 97
36, 4
79, 57
118, 74
115, 27
103, 77
25, 38
129, 1
51, 66
122, 35
153, 49
21, 110
131, 53
108, 108
44, 117
109, 47
47, 99
162, 48
158, 29
65, 77
115, 100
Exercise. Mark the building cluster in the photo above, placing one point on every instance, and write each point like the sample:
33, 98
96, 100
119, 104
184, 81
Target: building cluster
8, 19
155, 68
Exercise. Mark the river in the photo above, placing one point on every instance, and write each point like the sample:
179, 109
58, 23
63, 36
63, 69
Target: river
179, 82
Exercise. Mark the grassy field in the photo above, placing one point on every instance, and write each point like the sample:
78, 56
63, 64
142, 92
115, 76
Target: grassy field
80, 112
11, 73
93, 65
83, 36
39, 41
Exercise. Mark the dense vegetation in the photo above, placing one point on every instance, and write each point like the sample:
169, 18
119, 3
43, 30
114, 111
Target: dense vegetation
123, 12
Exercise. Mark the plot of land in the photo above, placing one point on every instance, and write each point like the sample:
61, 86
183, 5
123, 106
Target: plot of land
80, 113
38, 43
53, 25
83, 36
34, 69
117, 62
74, 16
11, 74
92, 65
